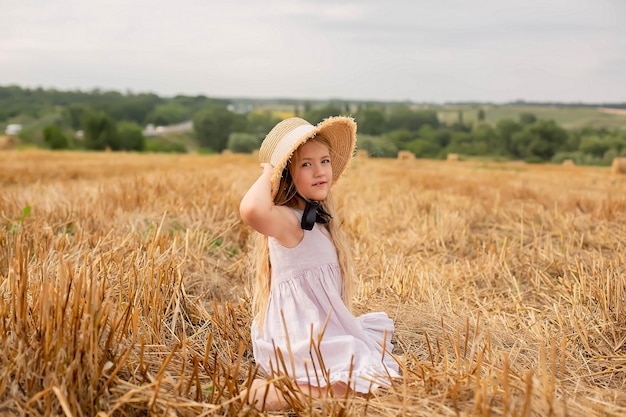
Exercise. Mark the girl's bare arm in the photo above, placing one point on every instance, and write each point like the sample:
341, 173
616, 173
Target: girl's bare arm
259, 212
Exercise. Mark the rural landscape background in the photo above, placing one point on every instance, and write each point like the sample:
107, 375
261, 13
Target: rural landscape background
126, 276
585, 134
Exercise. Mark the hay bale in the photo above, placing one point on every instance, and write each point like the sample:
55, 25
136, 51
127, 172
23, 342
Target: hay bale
406, 155
453, 157
618, 166
362, 154
7, 142
568, 163
227, 152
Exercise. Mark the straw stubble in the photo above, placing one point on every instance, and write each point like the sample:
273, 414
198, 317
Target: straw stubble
125, 289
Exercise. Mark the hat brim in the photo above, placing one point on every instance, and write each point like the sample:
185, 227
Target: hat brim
340, 132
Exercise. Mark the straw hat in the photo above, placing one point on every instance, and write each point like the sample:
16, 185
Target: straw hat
282, 141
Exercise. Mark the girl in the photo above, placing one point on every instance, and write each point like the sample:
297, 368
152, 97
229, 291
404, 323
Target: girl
303, 327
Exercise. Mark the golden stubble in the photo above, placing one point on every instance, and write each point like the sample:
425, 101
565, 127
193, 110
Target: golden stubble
125, 289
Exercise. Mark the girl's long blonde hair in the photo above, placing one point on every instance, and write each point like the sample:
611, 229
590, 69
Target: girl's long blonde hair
263, 272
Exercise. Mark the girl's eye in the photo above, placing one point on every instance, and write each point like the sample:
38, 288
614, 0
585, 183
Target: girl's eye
306, 164
326, 161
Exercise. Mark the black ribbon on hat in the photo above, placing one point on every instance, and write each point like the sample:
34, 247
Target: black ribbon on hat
313, 213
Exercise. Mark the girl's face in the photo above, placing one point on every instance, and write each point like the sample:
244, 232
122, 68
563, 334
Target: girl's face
311, 171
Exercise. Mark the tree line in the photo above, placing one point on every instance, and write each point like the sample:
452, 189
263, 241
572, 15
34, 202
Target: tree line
115, 121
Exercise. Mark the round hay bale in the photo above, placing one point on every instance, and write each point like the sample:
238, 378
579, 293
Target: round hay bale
568, 163
406, 155
227, 152
362, 154
453, 157
7, 142
618, 166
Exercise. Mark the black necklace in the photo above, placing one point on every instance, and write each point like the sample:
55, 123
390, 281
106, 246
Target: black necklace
313, 213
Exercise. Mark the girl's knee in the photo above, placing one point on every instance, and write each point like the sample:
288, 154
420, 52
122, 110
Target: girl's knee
337, 389
264, 395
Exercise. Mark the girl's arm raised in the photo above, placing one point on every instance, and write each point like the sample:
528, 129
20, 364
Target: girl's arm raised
259, 212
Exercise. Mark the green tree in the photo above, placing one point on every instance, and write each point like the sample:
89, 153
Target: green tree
168, 113
192, 104
527, 118
243, 142
315, 116
377, 146
594, 145
400, 138
442, 137
403, 117
486, 140
520, 142
371, 121
540, 141
462, 143
213, 125
73, 114
259, 123
424, 148
54, 137
125, 107
100, 132
552, 136
131, 136
505, 129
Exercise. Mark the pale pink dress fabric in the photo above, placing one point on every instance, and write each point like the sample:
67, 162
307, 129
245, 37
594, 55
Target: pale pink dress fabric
306, 287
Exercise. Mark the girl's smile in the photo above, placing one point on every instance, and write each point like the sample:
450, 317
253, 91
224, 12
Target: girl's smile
312, 171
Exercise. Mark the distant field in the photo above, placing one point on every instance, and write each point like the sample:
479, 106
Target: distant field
124, 283
567, 117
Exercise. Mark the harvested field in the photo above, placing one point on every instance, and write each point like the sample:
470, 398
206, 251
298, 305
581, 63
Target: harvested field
620, 112
125, 284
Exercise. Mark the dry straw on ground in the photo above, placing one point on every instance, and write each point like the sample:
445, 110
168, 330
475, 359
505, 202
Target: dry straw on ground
125, 287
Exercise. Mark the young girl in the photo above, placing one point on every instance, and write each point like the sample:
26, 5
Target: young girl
303, 327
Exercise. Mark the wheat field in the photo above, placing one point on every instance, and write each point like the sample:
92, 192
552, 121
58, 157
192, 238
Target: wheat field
125, 285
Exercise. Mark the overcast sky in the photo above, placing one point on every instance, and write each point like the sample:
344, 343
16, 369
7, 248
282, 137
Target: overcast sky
419, 50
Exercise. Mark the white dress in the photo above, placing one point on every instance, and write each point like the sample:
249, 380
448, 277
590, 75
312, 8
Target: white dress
305, 293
